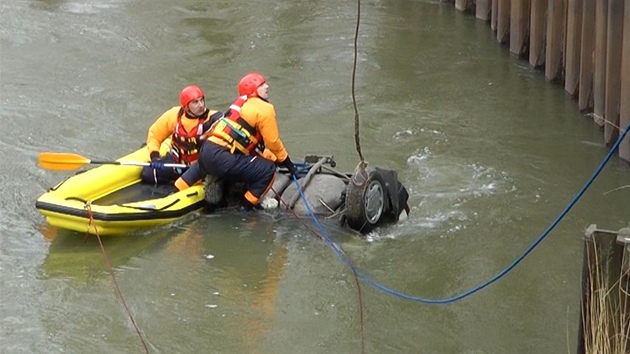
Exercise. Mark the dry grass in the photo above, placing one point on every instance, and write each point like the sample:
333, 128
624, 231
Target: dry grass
604, 317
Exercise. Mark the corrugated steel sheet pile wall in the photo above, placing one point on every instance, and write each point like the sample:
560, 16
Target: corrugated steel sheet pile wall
582, 44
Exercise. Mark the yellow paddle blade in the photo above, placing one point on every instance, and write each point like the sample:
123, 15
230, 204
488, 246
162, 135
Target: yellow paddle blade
62, 161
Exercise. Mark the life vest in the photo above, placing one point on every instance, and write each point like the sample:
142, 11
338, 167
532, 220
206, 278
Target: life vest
185, 145
237, 134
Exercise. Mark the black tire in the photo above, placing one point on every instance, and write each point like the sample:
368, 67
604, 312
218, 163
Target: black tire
366, 204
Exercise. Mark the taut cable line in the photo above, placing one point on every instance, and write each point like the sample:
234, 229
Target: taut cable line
357, 139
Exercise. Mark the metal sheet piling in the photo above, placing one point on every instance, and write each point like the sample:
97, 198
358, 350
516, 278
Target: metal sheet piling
537, 33
581, 44
613, 71
587, 57
483, 9
503, 21
555, 40
599, 84
519, 27
624, 109
574, 41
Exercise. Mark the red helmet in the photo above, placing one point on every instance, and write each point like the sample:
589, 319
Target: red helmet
188, 94
249, 83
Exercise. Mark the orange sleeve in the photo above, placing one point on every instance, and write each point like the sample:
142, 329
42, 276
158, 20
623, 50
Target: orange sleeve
162, 128
262, 115
269, 155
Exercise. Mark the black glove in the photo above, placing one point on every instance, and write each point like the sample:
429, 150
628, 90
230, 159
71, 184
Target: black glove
156, 164
289, 165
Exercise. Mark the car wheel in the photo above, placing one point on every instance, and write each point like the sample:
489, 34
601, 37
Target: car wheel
366, 204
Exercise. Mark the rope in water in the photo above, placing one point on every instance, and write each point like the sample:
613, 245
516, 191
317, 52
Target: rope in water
356, 278
91, 223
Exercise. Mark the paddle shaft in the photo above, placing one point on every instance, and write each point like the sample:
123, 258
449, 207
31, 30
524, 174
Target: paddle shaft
134, 163
70, 161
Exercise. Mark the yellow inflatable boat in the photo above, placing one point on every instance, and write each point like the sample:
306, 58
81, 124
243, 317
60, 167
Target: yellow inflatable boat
112, 200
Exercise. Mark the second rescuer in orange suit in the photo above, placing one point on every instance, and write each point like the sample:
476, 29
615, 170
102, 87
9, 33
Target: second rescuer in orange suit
237, 142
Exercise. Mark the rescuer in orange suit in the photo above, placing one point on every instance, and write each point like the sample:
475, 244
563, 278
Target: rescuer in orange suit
238, 141
185, 125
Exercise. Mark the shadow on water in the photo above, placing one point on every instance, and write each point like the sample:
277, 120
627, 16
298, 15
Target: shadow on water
73, 255
47, 5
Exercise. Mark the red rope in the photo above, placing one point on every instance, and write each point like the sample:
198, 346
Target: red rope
356, 277
111, 273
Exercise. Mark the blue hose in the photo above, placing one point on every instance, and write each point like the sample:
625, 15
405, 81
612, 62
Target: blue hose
366, 278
